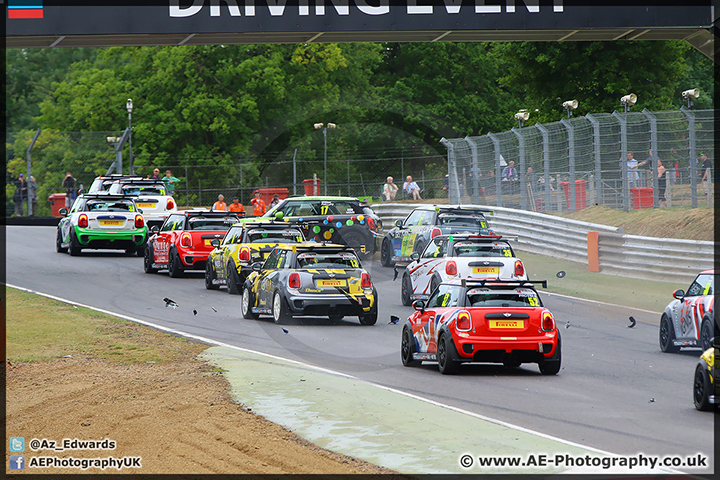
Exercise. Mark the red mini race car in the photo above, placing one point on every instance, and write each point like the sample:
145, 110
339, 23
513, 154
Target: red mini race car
482, 321
183, 241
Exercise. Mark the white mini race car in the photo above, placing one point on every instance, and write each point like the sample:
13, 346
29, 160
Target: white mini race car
459, 256
150, 196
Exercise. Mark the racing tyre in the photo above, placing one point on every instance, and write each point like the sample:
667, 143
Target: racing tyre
140, 251
434, 282
667, 335
174, 264
406, 290
280, 309
74, 244
551, 366
148, 261
231, 279
419, 246
386, 253
701, 388
210, 276
130, 251
369, 319
248, 299
58, 243
407, 348
446, 355
706, 333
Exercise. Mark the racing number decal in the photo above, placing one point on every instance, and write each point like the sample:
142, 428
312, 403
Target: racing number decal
324, 209
533, 302
507, 253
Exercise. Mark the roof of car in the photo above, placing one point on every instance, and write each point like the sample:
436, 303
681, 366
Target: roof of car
711, 271
459, 209
310, 246
272, 224
493, 282
471, 237
107, 196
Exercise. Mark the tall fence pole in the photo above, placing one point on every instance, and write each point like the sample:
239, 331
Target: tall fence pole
546, 163
653, 158
453, 185
596, 154
693, 156
294, 173
571, 163
623, 162
498, 172
523, 180
474, 169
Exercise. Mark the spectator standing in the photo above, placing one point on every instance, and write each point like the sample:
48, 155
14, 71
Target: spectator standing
32, 192
236, 206
220, 205
389, 190
509, 172
411, 188
155, 175
705, 173
662, 182
170, 182
632, 173
258, 205
20, 195
275, 200
70, 185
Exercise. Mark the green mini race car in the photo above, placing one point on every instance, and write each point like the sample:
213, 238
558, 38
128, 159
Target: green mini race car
102, 221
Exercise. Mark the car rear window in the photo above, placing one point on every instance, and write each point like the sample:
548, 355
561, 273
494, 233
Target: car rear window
482, 250
109, 206
268, 236
463, 221
143, 190
203, 223
488, 297
321, 260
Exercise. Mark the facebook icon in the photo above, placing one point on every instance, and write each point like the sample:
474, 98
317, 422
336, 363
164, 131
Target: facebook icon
17, 462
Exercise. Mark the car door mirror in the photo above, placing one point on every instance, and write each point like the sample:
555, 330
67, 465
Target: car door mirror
215, 242
154, 229
415, 256
679, 294
419, 305
399, 223
140, 210
256, 267
63, 212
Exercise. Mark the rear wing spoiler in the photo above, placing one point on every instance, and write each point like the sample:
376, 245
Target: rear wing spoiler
469, 282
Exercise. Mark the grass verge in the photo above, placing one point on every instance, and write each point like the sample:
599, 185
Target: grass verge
42, 329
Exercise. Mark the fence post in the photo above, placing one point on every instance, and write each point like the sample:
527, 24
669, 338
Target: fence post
523, 180
596, 152
475, 170
693, 157
187, 187
498, 172
453, 185
546, 163
571, 159
653, 163
623, 162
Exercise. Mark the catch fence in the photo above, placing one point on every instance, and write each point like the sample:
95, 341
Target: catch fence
574, 163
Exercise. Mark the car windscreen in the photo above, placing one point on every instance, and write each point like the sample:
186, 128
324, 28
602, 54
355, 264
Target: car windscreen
212, 223
312, 260
261, 235
469, 249
462, 221
102, 205
491, 297
143, 190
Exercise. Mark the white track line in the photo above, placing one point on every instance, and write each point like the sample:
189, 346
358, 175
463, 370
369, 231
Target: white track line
321, 369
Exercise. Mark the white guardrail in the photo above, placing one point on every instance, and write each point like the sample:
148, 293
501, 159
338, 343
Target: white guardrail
646, 258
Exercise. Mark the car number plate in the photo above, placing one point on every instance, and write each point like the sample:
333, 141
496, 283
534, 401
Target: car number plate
331, 283
506, 324
107, 223
495, 270
146, 205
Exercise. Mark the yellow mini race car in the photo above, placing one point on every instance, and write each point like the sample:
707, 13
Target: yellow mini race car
705, 389
244, 244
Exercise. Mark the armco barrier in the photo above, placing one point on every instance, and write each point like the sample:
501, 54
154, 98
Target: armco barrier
626, 255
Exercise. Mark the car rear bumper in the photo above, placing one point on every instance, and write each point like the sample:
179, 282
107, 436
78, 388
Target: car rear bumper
112, 240
330, 305
499, 349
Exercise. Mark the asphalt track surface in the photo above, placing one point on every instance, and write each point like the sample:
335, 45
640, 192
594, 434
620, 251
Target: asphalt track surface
616, 391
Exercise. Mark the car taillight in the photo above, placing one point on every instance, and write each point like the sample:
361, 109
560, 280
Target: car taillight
548, 322
451, 267
186, 240
170, 204
435, 232
244, 254
463, 322
519, 268
365, 280
83, 221
294, 280
139, 221
371, 223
